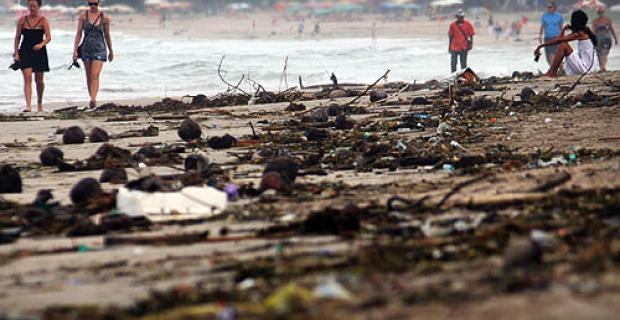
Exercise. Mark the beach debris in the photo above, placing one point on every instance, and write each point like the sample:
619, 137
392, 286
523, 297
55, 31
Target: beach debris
196, 162
337, 93
147, 152
316, 115
224, 142
527, 94
521, 251
274, 181
467, 76
288, 299
334, 109
313, 134
294, 107
286, 167
333, 220
200, 100
10, 180
114, 175
232, 191
50, 156
343, 122
149, 131
98, 135
189, 202
331, 289
189, 130
377, 95
420, 101
85, 191
73, 135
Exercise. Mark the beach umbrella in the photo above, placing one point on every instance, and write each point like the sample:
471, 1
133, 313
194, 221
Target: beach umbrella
279, 6
589, 4
446, 3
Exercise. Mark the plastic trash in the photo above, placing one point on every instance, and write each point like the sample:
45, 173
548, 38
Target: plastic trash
331, 289
448, 167
232, 191
547, 120
559, 160
443, 129
190, 202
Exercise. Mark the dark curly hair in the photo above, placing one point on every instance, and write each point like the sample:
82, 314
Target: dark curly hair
579, 23
37, 1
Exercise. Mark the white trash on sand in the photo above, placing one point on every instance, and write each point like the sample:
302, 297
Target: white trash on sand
189, 203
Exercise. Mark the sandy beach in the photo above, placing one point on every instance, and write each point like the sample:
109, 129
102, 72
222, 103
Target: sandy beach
491, 199
92, 276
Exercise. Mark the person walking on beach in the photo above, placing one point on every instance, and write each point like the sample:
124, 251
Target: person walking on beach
550, 25
461, 35
33, 31
96, 29
579, 61
604, 30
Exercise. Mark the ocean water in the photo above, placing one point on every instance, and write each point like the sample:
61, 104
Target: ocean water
148, 68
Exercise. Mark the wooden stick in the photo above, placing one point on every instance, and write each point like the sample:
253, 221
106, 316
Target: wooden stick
219, 73
368, 89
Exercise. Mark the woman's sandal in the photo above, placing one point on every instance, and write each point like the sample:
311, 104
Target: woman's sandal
92, 105
25, 110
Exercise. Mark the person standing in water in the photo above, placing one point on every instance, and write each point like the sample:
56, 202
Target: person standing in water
461, 35
96, 29
550, 25
604, 30
579, 61
33, 31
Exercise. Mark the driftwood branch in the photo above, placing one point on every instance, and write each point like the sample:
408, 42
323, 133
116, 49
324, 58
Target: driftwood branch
458, 187
230, 85
368, 89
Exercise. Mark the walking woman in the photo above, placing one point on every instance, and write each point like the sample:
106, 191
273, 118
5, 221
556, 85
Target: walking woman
579, 61
96, 29
33, 31
604, 30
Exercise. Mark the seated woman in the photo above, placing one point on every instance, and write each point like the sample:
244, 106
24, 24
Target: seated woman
584, 59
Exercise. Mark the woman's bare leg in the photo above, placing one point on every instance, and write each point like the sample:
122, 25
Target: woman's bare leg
27, 73
603, 62
564, 50
87, 67
94, 80
38, 78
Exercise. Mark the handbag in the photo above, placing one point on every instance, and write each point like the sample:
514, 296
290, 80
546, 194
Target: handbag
470, 43
92, 26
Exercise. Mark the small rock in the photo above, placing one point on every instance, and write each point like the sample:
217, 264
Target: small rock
334, 110
84, 191
420, 101
521, 252
200, 100
196, 162
482, 102
150, 131
293, 107
50, 156
73, 135
318, 115
377, 95
113, 175
147, 152
189, 130
273, 181
527, 93
316, 134
224, 142
343, 123
337, 94
10, 180
286, 167
98, 135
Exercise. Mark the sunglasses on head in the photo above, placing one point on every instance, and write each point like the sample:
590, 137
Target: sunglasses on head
93, 4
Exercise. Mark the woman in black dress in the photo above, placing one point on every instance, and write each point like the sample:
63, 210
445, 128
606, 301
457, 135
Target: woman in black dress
32, 54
